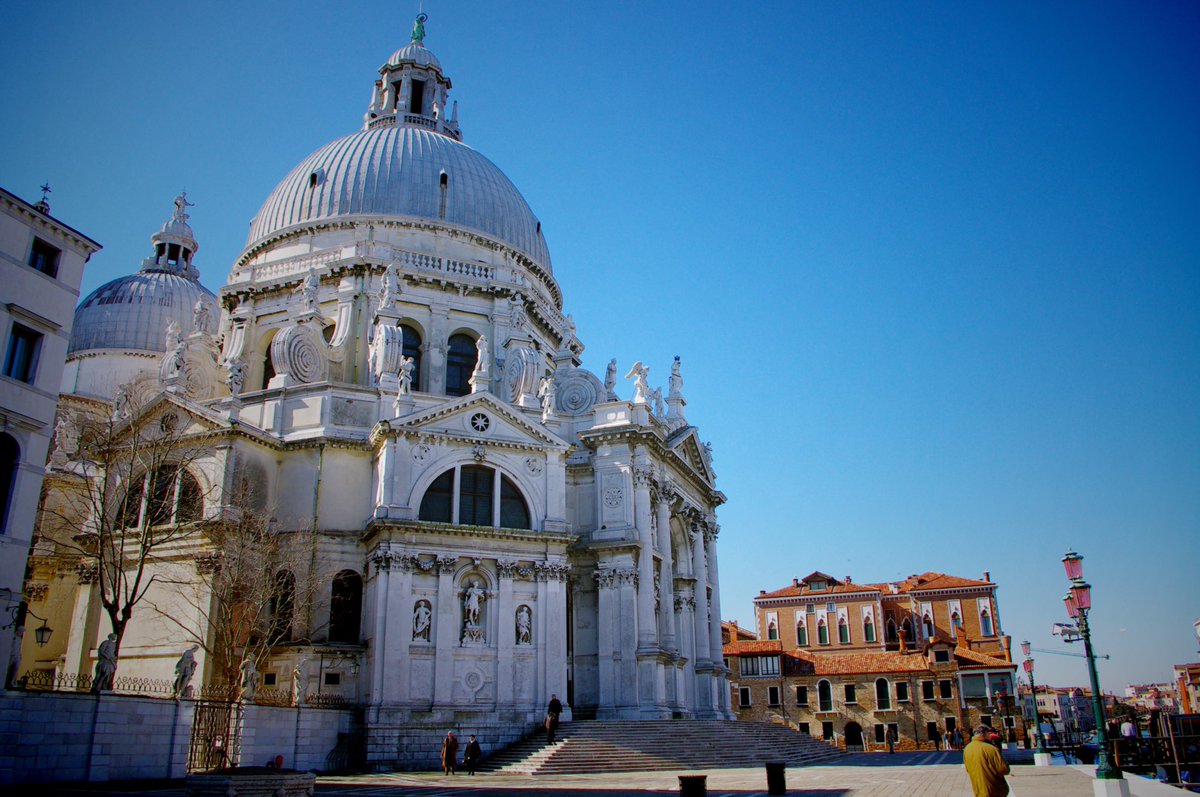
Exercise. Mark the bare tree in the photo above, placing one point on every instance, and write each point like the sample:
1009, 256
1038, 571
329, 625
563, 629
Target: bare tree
252, 591
132, 494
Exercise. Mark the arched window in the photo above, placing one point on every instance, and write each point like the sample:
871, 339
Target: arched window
801, 634
412, 348
985, 623
822, 632
883, 694
174, 497
460, 364
824, 696
868, 629
485, 497
345, 607
283, 606
10, 457
928, 623
906, 630
955, 623
190, 506
890, 631
843, 631
772, 630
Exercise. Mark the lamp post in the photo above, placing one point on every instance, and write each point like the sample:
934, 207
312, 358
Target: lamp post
1078, 601
1040, 753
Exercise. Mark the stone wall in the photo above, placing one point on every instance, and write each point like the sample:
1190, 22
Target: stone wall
307, 738
79, 737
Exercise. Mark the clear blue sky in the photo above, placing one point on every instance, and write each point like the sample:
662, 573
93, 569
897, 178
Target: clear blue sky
933, 268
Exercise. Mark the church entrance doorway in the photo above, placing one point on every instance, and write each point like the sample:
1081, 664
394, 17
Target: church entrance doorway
854, 738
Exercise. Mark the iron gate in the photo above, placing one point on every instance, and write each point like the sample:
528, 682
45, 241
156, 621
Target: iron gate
216, 735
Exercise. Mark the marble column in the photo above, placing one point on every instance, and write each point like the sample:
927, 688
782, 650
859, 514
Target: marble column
553, 627
382, 561
715, 626
703, 660
449, 628
647, 635
399, 616
608, 618
506, 634
685, 604
666, 609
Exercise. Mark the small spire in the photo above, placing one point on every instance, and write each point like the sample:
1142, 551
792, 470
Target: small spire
43, 205
418, 32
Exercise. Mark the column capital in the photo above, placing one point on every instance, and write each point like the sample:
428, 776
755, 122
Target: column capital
446, 564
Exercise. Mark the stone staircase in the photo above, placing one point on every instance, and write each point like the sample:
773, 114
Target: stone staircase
655, 745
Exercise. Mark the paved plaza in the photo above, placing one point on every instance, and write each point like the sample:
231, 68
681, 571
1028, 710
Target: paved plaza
864, 775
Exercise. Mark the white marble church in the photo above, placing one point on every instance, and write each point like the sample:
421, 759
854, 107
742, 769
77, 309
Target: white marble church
389, 363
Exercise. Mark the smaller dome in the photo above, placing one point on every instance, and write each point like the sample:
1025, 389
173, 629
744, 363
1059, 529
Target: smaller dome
414, 53
133, 312
177, 228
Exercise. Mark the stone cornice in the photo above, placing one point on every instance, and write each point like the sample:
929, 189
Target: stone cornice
653, 439
410, 531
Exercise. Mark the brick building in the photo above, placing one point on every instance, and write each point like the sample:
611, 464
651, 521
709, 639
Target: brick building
844, 661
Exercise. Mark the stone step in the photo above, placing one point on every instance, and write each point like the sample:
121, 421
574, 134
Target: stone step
655, 745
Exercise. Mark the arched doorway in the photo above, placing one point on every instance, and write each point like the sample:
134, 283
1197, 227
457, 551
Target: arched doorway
854, 737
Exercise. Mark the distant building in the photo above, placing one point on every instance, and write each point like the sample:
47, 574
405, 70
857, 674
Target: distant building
41, 267
846, 661
819, 612
1187, 684
1065, 709
1152, 697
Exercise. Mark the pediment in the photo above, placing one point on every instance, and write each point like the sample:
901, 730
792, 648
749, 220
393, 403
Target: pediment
688, 447
483, 417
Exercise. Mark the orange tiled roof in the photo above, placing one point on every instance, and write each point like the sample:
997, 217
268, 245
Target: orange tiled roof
796, 591
805, 663
973, 658
933, 580
735, 631
924, 581
746, 646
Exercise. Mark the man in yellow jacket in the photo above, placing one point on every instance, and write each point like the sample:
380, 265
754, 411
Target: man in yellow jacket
985, 766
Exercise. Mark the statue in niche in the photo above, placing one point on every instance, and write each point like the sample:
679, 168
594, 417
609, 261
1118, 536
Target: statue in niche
406, 374
546, 394
200, 316
610, 378
473, 597
524, 625
299, 682
308, 289
422, 620
641, 389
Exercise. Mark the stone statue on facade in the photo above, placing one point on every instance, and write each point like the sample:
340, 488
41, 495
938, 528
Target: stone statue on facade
473, 597
406, 375
546, 394
66, 439
235, 377
422, 619
106, 665
524, 625
201, 316
121, 404
308, 290
483, 355
181, 206
610, 379
656, 397
389, 290
249, 684
299, 682
641, 389
184, 669
675, 382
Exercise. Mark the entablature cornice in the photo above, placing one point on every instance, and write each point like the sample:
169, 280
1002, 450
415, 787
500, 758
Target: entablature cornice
419, 532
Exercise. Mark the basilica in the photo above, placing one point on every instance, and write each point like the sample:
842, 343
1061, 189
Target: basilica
388, 378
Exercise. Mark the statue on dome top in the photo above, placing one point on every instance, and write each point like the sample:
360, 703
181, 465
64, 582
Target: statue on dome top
418, 32
181, 206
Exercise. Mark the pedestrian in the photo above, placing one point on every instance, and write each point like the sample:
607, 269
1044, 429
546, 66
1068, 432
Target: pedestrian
891, 739
553, 710
449, 753
956, 739
936, 737
471, 755
985, 765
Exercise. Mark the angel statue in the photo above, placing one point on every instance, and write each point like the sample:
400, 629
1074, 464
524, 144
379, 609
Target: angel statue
546, 394
641, 389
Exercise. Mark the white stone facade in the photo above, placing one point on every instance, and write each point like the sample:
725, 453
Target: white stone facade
518, 530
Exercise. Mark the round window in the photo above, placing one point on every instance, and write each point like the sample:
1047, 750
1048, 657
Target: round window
480, 422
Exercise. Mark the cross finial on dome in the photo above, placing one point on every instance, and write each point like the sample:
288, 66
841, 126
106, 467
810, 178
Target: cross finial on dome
418, 33
43, 205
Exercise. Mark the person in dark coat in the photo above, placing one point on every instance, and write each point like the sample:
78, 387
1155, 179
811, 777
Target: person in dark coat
471, 755
936, 737
554, 709
449, 753
890, 738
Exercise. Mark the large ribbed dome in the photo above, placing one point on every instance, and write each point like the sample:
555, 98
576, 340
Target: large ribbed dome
132, 312
396, 170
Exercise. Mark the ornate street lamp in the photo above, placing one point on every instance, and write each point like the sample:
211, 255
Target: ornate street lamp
1078, 602
1039, 744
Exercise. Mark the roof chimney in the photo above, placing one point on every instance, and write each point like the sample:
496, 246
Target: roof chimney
987, 575
847, 579
762, 592
795, 582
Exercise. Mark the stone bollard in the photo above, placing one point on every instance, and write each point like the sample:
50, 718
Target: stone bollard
693, 785
776, 777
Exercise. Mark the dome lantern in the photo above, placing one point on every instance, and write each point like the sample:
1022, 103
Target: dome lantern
412, 91
174, 244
